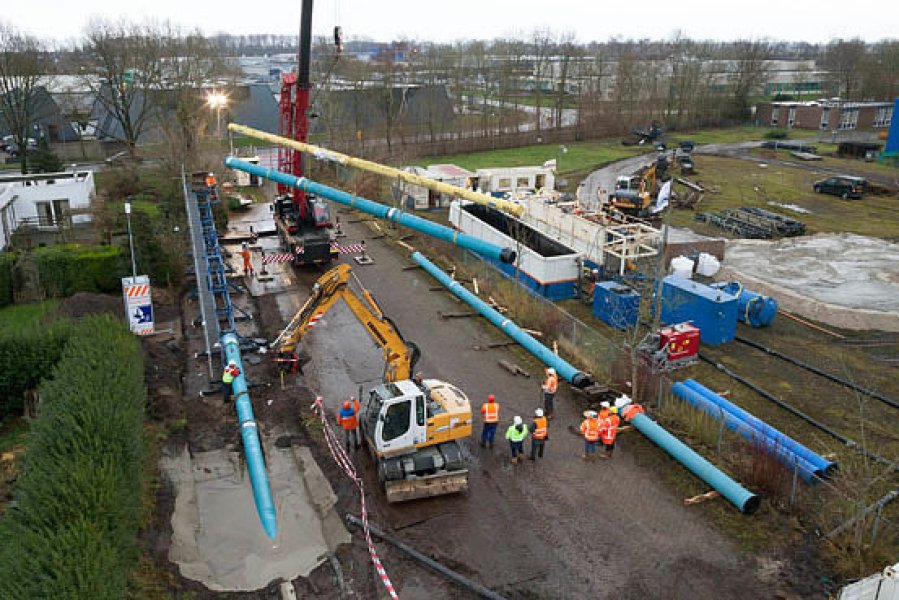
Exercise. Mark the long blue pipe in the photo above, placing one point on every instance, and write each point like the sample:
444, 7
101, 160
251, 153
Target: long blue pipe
828, 468
253, 449
562, 367
742, 498
448, 234
784, 454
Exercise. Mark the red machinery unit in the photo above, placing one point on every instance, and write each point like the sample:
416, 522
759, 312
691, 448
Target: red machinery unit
680, 342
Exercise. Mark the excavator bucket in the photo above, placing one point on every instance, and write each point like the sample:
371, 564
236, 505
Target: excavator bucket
427, 486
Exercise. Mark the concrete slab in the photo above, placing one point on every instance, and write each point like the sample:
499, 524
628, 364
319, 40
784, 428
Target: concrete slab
257, 215
216, 537
844, 280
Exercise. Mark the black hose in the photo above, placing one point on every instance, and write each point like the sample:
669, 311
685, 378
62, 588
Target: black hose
817, 371
850, 443
429, 562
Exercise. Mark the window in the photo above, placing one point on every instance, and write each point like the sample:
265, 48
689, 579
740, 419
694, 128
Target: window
792, 116
775, 113
420, 411
44, 214
825, 113
883, 117
505, 182
396, 421
522, 182
848, 118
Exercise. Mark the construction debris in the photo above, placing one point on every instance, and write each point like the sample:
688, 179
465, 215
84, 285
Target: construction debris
702, 498
513, 368
458, 315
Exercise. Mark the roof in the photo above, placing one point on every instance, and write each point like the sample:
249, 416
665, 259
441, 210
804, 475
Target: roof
448, 170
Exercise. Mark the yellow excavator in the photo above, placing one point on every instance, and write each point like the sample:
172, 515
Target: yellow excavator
411, 426
638, 202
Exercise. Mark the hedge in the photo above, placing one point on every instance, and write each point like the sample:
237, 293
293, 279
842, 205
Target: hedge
27, 356
65, 270
7, 260
71, 530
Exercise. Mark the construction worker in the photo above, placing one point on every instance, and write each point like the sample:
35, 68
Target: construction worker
231, 371
346, 418
539, 434
210, 181
516, 434
608, 429
247, 265
490, 414
604, 410
550, 387
590, 430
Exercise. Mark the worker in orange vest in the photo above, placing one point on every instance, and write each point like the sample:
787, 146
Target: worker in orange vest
247, 265
490, 414
590, 431
550, 387
210, 181
604, 410
608, 429
347, 419
539, 434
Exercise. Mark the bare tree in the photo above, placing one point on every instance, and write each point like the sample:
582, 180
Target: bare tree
881, 72
542, 41
748, 71
23, 69
568, 52
125, 72
844, 58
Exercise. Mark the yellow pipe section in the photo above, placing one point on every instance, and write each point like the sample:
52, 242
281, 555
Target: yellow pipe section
367, 165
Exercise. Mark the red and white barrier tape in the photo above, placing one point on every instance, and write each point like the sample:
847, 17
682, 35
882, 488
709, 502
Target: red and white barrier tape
268, 259
341, 458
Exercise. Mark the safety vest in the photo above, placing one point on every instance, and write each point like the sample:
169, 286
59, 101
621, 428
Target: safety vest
551, 385
228, 375
490, 411
347, 418
210, 181
540, 429
515, 435
609, 429
590, 429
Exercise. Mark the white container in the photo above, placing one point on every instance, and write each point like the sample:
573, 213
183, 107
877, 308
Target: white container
707, 265
682, 267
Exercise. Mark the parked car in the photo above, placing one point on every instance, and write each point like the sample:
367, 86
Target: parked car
845, 186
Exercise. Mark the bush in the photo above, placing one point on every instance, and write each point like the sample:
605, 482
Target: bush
72, 531
65, 270
26, 357
7, 260
776, 134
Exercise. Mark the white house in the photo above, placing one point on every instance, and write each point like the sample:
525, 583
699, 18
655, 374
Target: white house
516, 179
45, 203
422, 198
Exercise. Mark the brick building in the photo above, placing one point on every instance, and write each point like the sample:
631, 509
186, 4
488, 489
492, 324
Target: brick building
826, 115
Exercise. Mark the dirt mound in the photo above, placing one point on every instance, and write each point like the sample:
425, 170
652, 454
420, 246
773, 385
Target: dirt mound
84, 304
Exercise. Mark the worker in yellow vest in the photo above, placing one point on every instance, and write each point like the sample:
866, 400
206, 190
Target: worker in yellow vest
231, 371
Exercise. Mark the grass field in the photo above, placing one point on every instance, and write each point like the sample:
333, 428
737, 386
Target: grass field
747, 133
746, 183
14, 318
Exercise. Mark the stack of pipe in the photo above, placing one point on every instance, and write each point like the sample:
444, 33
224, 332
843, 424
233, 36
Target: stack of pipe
742, 498
788, 450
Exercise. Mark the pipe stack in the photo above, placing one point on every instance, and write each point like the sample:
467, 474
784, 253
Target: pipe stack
506, 255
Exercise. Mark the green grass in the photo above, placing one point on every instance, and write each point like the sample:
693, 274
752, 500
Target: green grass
15, 318
746, 183
851, 166
580, 156
13, 434
747, 133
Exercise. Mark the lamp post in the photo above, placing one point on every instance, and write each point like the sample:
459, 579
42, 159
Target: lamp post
130, 237
217, 101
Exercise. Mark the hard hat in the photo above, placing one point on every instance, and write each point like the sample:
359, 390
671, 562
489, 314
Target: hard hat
346, 404
539, 412
517, 420
590, 414
605, 404
614, 410
551, 371
232, 363
211, 175
622, 400
490, 398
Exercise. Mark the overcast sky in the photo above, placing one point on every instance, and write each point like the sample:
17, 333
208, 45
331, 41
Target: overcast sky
384, 20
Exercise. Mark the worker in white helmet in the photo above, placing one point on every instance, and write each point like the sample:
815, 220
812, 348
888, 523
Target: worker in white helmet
516, 434
550, 387
539, 434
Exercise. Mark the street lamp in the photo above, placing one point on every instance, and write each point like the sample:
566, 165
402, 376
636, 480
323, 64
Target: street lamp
130, 238
217, 101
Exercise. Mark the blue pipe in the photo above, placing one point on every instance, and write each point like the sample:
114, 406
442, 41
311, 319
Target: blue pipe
755, 436
253, 449
742, 498
752, 309
562, 367
826, 467
448, 234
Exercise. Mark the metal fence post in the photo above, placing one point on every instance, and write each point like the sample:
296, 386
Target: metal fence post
795, 478
876, 523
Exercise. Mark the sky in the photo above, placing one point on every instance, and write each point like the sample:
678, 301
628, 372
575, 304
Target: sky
448, 20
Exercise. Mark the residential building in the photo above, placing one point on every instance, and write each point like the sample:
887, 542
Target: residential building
826, 115
44, 209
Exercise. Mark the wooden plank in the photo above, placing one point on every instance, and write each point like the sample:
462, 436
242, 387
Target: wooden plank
702, 498
458, 315
405, 245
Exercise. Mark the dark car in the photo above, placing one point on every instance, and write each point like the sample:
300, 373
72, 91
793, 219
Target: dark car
845, 186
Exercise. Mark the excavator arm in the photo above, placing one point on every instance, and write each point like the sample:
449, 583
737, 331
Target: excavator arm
400, 355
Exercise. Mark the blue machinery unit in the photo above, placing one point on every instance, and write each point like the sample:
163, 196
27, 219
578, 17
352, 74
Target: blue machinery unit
616, 304
822, 466
218, 313
743, 499
506, 255
562, 367
713, 311
752, 309
771, 445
